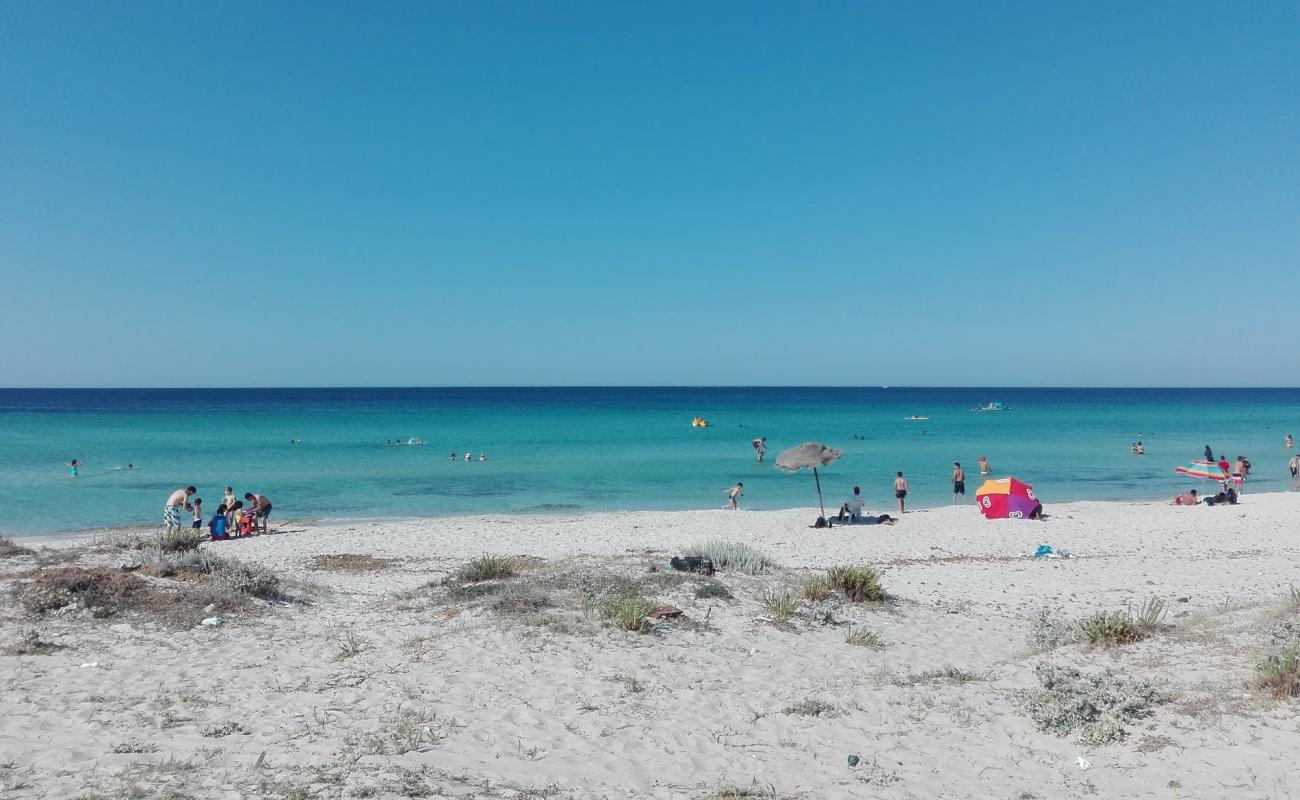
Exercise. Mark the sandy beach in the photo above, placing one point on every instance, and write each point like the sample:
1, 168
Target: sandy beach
376, 675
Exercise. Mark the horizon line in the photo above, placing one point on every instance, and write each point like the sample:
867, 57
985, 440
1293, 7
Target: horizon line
632, 386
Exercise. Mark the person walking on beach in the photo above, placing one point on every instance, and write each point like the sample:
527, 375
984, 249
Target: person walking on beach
172, 508
760, 448
260, 506
983, 465
958, 482
733, 496
1295, 471
900, 491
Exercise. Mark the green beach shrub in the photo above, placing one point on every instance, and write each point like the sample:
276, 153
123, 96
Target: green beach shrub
626, 613
859, 584
1279, 671
1108, 628
180, 541
783, 605
485, 568
240, 577
861, 637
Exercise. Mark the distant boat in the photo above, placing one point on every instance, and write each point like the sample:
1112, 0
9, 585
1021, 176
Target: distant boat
993, 405
917, 419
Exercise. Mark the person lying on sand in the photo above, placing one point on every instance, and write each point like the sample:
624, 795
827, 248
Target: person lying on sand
1187, 499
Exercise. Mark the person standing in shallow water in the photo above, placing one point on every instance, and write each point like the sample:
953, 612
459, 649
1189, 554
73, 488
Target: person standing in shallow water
983, 465
900, 491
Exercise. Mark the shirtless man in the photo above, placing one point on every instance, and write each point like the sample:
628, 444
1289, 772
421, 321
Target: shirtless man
900, 491
984, 465
171, 509
958, 482
1295, 470
1239, 474
260, 506
760, 448
733, 496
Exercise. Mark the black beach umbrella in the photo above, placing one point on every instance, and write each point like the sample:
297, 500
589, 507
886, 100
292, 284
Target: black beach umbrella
809, 455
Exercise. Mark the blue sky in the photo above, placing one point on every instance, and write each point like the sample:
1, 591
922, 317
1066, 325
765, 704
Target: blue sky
655, 193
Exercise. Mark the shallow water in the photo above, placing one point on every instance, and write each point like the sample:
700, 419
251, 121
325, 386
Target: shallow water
567, 450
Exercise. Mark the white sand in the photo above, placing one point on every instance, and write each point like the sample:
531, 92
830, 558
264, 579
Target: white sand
520, 709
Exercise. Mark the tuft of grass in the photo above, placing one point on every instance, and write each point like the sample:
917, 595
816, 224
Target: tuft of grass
815, 590
944, 675
180, 541
859, 584
861, 637
30, 643
1110, 628
9, 550
1292, 600
487, 568
1279, 671
1151, 613
811, 708
404, 730
348, 645
712, 591
783, 605
733, 556
751, 792
626, 613
522, 600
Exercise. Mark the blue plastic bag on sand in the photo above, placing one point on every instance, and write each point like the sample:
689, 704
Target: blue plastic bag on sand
1043, 551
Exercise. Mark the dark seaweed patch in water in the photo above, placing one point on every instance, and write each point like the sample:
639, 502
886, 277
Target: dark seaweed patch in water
557, 507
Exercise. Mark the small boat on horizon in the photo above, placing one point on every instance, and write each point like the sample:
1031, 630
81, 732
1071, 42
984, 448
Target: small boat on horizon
915, 418
993, 405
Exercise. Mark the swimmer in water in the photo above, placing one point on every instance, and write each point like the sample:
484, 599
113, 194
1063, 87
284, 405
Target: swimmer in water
983, 465
453, 456
469, 456
72, 465
482, 456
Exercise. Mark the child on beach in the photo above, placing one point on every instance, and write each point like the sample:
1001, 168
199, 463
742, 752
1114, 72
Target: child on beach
733, 496
197, 524
236, 521
217, 525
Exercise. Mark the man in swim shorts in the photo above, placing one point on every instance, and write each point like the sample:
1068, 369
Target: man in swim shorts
1239, 474
900, 491
171, 509
958, 482
261, 509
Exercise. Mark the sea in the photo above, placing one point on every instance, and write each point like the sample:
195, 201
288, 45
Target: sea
330, 454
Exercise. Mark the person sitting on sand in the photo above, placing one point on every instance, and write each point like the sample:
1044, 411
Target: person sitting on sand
1222, 498
1188, 498
1037, 513
852, 508
217, 525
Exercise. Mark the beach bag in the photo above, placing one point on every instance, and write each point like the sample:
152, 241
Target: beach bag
692, 564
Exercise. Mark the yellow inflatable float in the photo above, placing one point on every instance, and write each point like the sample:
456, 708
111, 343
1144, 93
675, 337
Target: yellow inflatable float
699, 422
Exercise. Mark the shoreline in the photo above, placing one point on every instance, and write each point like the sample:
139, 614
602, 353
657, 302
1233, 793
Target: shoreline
70, 538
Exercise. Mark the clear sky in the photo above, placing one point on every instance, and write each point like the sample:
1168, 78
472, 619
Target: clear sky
989, 193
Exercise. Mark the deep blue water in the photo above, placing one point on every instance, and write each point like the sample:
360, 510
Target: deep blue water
588, 449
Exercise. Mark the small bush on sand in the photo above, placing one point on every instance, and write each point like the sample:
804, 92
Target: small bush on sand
814, 590
180, 541
8, 549
1150, 616
626, 613
1279, 671
861, 637
1051, 628
732, 556
1109, 628
712, 591
401, 731
782, 605
522, 600
859, 584
253, 580
1096, 707
811, 708
485, 568
30, 643
102, 591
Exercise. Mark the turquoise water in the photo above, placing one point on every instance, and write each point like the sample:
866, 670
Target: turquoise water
573, 449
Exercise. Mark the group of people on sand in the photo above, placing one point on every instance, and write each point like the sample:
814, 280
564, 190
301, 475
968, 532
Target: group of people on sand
234, 517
